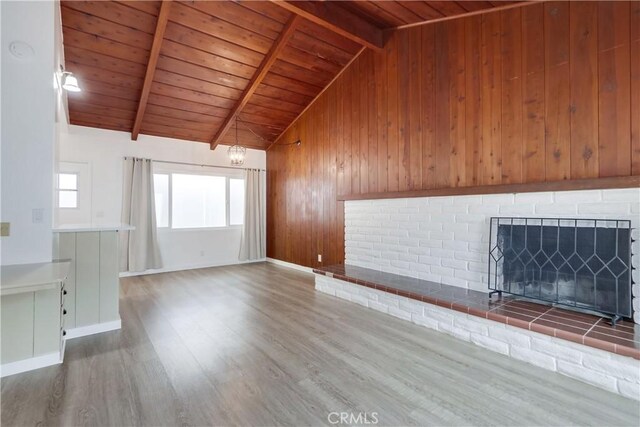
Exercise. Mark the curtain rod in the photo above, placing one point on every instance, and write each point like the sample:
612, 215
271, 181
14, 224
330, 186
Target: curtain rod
197, 164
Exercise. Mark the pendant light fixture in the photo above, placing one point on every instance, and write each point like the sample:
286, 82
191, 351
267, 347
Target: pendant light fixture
236, 152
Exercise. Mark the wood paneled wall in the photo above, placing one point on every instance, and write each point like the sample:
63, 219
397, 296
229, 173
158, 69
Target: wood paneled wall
544, 92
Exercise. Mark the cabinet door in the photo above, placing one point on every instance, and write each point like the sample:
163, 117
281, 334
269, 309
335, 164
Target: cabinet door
109, 276
16, 327
46, 320
66, 249
87, 278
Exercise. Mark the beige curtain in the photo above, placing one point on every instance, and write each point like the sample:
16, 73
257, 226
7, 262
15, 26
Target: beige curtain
254, 236
139, 248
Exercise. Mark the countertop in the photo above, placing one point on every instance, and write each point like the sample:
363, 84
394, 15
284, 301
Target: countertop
21, 278
75, 228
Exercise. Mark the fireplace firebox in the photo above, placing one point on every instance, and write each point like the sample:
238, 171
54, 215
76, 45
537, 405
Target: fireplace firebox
580, 263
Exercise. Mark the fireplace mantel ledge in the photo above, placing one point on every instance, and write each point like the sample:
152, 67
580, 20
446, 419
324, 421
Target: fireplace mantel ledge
564, 185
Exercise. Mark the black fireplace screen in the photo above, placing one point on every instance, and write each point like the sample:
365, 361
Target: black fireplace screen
579, 263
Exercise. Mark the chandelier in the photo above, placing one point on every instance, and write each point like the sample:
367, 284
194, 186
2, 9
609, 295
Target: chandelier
236, 152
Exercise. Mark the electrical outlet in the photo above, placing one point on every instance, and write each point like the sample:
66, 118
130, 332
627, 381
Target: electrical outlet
319, 258
5, 229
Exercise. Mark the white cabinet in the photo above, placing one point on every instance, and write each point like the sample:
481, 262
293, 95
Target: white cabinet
32, 316
93, 285
109, 278
87, 262
44, 304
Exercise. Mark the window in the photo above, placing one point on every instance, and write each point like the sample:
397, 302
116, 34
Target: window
198, 201
68, 190
185, 200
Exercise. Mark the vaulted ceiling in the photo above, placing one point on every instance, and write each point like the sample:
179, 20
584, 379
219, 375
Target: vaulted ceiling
214, 71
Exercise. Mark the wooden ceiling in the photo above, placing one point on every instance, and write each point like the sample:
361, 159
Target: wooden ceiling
193, 69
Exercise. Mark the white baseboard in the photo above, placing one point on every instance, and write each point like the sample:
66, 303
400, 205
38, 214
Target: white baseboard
185, 267
290, 265
30, 364
83, 331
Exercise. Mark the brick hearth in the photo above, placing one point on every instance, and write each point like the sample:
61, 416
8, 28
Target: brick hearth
579, 345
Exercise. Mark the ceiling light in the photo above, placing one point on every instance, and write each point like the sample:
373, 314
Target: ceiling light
236, 153
70, 82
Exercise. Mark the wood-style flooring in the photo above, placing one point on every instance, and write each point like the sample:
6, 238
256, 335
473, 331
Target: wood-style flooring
256, 345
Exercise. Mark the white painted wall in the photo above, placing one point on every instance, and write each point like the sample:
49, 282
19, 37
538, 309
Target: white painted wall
62, 121
446, 239
101, 153
28, 130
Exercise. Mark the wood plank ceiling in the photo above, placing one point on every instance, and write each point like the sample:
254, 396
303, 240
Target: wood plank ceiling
191, 72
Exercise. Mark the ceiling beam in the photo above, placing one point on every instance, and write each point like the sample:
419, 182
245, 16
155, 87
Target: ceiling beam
257, 78
474, 13
331, 16
161, 25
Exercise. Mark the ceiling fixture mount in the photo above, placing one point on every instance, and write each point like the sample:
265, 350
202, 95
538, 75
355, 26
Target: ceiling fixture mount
21, 50
236, 152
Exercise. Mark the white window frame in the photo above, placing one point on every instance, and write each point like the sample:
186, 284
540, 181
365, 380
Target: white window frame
227, 175
58, 189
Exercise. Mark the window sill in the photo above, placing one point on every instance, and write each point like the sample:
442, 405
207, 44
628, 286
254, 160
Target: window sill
168, 230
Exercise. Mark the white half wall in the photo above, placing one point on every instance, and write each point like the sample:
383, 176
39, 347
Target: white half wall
100, 152
446, 239
28, 130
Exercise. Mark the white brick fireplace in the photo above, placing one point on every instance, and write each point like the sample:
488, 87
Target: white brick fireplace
445, 239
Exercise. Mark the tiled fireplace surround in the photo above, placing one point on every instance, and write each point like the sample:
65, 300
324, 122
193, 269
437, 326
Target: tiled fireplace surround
444, 240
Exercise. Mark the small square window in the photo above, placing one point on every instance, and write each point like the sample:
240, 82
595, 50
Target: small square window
68, 190
67, 181
68, 199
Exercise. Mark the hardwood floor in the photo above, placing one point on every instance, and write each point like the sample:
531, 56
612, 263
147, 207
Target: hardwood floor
256, 345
